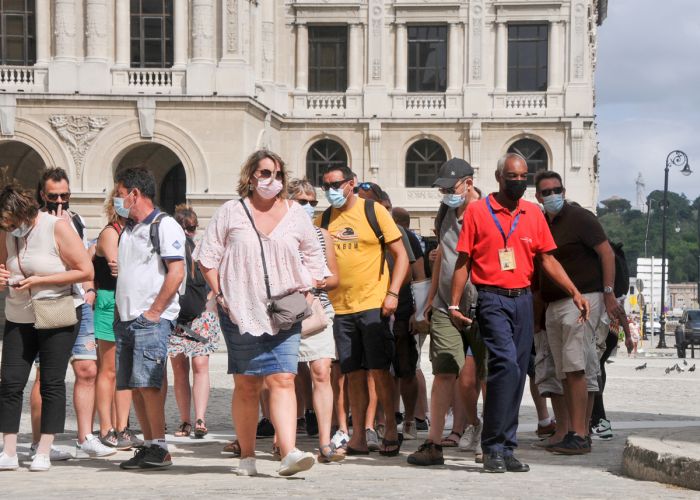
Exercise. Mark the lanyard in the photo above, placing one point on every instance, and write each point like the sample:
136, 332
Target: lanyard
498, 224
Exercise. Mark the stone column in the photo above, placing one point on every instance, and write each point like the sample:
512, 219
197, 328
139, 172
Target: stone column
64, 30
501, 56
180, 34
401, 63
555, 60
355, 67
202, 31
123, 34
454, 82
96, 30
43, 32
302, 58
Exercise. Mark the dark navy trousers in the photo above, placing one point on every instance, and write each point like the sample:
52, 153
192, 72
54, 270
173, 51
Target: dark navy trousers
506, 325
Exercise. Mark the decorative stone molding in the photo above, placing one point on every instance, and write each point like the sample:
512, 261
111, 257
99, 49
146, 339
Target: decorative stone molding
477, 30
64, 29
475, 145
78, 132
96, 29
8, 112
578, 41
376, 35
147, 116
576, 145
375, 142
232, 33
202, 30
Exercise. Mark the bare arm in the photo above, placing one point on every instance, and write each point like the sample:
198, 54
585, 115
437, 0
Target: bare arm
607, 262
4, 273
556, 272
434, 282
401, 266
171, 284
418, 269
331, 281
459, 281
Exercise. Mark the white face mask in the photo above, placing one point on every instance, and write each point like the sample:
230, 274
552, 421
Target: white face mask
269, 188
21, 231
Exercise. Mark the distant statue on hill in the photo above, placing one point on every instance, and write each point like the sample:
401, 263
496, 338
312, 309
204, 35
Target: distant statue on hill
641, 196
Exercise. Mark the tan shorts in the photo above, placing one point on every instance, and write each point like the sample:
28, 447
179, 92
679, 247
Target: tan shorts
573, 344
319, 346
546, 379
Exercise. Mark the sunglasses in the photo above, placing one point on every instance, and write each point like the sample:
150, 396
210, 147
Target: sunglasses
266, 174
191, 229
313, 203
334, 185
451, 190
556, 190
56, 196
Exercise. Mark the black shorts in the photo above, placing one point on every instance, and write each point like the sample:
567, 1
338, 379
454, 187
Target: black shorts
363, 341
406, 355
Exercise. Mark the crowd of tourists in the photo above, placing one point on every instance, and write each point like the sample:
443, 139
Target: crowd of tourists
324, 315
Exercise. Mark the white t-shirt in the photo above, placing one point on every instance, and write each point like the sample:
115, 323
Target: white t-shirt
142, 271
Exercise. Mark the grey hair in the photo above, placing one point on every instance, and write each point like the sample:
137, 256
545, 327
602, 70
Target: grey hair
508, 156
298, 186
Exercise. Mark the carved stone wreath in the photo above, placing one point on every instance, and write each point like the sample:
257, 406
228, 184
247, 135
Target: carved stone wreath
78, 132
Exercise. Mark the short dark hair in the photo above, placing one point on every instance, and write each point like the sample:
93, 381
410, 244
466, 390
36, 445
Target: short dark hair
346, 171
138, 178
17, 206
56, 174
546, 174
185, 215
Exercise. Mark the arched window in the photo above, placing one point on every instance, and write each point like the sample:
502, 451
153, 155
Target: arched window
320, 156
535, 155
423, 160
17, 28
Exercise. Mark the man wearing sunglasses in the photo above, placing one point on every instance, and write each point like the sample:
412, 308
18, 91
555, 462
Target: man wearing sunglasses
54, 197
365, 299
587, 257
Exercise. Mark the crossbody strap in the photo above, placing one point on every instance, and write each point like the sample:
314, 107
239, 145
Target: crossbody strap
19, 261
262, 251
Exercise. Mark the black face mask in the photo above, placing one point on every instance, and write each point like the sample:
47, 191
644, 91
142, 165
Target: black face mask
515, 189
52, 206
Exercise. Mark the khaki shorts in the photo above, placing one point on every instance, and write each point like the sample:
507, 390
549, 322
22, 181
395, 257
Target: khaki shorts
573, 344
448, 346
546, 379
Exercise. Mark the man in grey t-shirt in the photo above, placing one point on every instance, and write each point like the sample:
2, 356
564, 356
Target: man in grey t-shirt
447, 342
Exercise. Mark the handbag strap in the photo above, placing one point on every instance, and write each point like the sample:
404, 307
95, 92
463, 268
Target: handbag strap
19, 261
262, 251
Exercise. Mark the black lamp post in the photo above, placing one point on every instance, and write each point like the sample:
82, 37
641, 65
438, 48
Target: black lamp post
677, 159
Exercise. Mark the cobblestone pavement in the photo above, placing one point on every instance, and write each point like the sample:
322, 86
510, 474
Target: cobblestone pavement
636, 400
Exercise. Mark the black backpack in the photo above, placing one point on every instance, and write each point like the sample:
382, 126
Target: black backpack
622, 272
371, 216
194, 301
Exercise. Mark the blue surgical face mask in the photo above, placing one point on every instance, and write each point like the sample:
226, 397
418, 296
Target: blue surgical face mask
21, 231
553, 203
336, 197
454, 200
119, 208
309, 210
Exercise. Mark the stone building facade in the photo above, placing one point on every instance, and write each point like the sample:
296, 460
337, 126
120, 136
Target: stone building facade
389, 87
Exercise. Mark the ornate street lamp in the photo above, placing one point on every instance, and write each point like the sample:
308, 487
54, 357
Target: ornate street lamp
677, 159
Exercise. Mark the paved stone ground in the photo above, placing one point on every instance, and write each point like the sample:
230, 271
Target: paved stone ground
636, 401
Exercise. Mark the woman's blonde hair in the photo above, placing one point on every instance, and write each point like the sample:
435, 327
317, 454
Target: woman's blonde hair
110, 212
17, 206
299, 186
251, 165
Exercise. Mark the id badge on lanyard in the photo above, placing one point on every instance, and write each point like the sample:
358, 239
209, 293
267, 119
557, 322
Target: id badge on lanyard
506, 255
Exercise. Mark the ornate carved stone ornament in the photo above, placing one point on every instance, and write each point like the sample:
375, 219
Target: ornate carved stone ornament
232, 26
78, 132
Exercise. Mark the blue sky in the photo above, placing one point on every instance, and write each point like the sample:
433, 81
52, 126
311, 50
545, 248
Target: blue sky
648, 94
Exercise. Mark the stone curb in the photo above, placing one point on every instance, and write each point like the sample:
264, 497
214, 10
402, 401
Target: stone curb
669, 456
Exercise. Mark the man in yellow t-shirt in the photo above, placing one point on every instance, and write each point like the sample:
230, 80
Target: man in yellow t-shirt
364, 300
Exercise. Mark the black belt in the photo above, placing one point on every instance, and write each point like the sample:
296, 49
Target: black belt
507, 292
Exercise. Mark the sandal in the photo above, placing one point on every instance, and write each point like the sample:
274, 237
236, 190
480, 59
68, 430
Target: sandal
200, 430
234, 448
387, 443
332, 455
448, 442
276, 453
352, 451
184, 430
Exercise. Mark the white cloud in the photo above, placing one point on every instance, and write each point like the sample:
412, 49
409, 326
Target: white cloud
648, 77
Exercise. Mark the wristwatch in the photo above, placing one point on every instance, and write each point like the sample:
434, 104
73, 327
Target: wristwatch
608, 289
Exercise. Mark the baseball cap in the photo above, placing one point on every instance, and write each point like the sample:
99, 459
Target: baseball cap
451, 171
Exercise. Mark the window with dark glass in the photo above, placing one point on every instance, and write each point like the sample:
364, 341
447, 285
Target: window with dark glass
527, 57
328, 58
423, 160
17, 33
427, 58
151, 33
535, 155
321, 155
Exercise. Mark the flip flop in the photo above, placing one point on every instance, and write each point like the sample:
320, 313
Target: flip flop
200, 430
451, 443
352, 451
387, 443
184, 430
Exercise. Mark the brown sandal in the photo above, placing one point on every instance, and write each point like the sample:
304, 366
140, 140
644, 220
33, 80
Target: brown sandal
200, 430
184, 430
234, 448
448, 442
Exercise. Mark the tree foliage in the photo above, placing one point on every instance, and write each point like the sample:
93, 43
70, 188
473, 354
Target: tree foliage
637, 231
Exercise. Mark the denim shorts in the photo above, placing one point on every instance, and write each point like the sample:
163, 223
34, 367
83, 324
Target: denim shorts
141, 352
260, 355
84, 347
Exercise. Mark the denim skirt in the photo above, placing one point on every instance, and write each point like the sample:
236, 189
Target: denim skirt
260, 355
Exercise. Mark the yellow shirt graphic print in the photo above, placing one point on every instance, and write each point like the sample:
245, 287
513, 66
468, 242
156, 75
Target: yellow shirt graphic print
359, 255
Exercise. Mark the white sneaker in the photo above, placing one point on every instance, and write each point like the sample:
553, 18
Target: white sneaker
92, 447
340, 439
296, 461
602, 431
56, 454
409, 430
471, 436
41, 463
7, 462
246, 467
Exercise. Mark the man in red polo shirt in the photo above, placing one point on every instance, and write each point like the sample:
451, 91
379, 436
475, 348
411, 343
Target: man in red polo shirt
500, 239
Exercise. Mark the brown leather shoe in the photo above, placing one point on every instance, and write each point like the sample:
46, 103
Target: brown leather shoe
547, 430
428, 453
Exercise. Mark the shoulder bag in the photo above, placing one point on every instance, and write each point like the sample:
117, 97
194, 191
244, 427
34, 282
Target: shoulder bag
287, 310
50, 313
